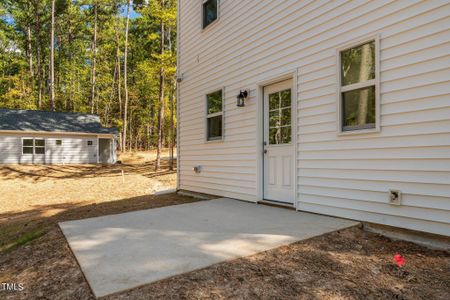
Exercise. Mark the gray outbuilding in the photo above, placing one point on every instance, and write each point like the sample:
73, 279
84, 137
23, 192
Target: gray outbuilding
43, 137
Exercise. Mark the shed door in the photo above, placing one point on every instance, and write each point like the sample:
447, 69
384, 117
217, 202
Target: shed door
279, 158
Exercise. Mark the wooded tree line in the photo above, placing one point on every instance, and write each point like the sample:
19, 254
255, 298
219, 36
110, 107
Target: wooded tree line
114, 58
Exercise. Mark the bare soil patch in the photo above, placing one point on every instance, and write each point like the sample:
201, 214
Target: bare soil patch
45, 190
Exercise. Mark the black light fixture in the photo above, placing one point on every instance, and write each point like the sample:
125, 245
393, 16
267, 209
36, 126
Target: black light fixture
241, 98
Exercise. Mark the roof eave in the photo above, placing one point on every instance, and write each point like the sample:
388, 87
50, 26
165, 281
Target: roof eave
59, 132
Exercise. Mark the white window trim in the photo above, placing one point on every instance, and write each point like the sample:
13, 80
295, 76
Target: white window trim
34, 146
213, 22
27, 138
221, 113
374, 82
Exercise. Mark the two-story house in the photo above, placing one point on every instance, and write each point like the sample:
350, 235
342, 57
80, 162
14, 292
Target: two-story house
337, 107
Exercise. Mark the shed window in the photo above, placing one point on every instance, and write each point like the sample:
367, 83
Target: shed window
358, 87
89, 143
214, 116
39, 146
210, 12
33, 146
58, 142
27, 146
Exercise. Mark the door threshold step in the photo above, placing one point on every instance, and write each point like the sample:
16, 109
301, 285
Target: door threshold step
277, 204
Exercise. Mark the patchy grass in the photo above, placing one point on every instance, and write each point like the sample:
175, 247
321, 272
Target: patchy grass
23, 239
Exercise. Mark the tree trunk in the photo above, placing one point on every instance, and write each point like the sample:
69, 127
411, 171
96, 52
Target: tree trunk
125, 79
38, 58
52, 59
119, 80
30, 54
364, 73
161, 101
94, 58
130, 143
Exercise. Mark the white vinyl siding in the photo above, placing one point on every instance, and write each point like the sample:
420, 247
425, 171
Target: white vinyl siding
73, 149
341, 175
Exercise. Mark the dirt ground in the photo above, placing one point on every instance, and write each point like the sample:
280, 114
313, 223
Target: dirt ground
349, 264
45, 190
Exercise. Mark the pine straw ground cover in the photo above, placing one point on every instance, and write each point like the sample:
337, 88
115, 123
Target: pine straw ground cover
349, 264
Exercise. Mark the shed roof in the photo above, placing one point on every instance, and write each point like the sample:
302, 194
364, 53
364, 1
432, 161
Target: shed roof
48, 121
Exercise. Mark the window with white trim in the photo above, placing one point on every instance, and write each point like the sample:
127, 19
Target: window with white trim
358, 87
39, 146
210, 12
27, 146
214, 117
33, 146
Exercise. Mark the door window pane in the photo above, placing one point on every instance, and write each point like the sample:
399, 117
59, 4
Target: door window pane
274, 118
209, 12
274, 136
359, 108
285, 135
215, 127
285, 98
274, 101
280, 117
285, 116
358, 64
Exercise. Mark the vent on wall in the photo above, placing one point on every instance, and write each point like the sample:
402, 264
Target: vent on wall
395, 197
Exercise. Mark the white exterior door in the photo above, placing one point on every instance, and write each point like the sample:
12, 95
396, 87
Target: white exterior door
279, 156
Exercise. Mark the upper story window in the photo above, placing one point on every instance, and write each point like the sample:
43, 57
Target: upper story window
214, 118
358, 87
210, 11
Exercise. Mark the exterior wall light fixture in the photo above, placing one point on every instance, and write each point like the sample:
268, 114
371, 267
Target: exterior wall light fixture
241, 98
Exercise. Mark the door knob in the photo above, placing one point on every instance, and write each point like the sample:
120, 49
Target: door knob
265, 151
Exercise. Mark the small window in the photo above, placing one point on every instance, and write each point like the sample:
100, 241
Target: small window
90, 143
39, 146
210, 9
214, 116
27, 146
58, 142
358, 87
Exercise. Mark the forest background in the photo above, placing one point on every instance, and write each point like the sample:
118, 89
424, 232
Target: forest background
113, 58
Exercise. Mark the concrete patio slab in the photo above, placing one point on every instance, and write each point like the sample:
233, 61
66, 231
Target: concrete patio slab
119, 252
